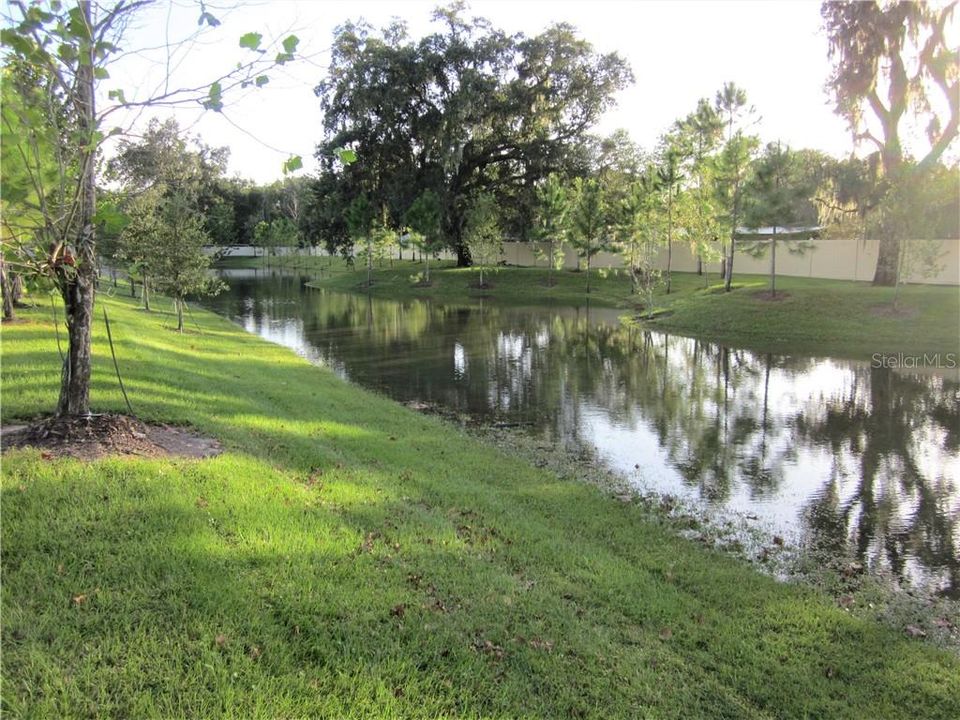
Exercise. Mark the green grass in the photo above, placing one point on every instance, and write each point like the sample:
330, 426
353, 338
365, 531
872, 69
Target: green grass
820, 317
356, 559
813, 317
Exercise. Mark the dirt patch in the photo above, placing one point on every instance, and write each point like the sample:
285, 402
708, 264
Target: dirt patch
888, 311
766, 295
481, 286
97, 436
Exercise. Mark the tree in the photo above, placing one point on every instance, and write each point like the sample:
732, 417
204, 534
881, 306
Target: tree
159, 164
180, 265
936, 189
733, 168
63, 115
700, 131
639, 229
138, 241
672, 156
892, 67
463, 111
360, 222
29, 175
553, 213
482, 232
588, 220
779, 195
423, 219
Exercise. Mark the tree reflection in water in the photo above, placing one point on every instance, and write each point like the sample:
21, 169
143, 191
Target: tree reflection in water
853, 459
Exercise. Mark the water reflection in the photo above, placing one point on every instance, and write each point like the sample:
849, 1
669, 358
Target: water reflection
843, 456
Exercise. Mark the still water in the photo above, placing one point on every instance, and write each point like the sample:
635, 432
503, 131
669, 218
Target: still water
836, 455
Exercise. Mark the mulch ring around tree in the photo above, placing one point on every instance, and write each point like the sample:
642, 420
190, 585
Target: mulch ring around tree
95, 436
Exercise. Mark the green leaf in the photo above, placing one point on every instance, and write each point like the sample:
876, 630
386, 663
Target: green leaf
207, 18
77, 26
290, 44
11, 38
251, 40
345, 155
282, 58
118, 96
292, 164
214, 99
100, 73
262, 80
102, 49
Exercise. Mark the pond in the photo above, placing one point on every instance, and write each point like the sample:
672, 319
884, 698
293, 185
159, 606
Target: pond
835, 455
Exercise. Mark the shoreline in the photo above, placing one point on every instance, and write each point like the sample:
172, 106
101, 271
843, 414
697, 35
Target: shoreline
339, 530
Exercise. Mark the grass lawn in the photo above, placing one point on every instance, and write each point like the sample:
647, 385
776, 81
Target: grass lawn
346, 557
812, 316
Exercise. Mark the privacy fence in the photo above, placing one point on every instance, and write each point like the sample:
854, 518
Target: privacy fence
823, 258
830, 259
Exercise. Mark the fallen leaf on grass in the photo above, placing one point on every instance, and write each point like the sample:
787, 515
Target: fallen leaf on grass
488, 648
79, 599
538, 644
665, 633
915, 632
220, 640
254, 652
846, 601
943, 623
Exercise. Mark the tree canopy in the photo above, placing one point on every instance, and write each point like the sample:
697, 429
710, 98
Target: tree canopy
465, 110
892, 64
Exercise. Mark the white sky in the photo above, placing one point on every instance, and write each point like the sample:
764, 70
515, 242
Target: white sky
679, 52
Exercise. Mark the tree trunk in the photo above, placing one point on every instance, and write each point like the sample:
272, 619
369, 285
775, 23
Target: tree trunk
369, 264
669, 235
773, 265
886, 272
178, 302
16, 288
588, 273
77, 283
729, 278
8, 313
463, 255
146, 293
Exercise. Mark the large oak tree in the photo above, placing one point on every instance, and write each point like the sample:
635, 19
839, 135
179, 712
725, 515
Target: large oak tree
466, 110
893, 64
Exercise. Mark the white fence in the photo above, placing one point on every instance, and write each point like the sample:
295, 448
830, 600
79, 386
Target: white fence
831, 259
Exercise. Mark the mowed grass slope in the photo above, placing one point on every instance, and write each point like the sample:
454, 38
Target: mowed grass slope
346, 557
811, 316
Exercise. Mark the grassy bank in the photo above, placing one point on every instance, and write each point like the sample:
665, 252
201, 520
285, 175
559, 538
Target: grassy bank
346, 557
810, 316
